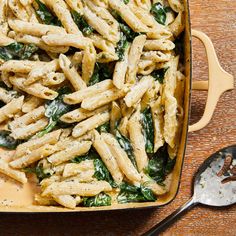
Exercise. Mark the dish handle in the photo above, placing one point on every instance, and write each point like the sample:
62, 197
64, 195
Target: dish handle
219, 81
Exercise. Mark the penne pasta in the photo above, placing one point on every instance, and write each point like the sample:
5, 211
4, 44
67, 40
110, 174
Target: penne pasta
107, 157
31, 103
90, 123
79, 96
71, 74
137, 140
73, 150
10, 109
72, 187
14, 174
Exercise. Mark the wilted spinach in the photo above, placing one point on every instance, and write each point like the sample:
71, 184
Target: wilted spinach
104, 128
81, 23
160, 165
7, 141
55, 109
159, 74
121, 47
39, 171
102, 173
148, 129
126, 1
126, 145
101, 72
102, 199
159, 13
131, 193
45, 15
17, 51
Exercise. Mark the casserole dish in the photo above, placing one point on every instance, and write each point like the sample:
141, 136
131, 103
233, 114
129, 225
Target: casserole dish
22, 198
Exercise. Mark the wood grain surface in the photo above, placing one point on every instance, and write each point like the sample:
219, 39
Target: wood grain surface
217, 18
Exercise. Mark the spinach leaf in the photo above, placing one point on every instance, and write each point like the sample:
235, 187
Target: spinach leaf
159, 13
159, 74
148, 129
102, 199
160, 165
131, 193
102, 173
104, 128
126, 1
7, 141
101, 72
17, 51
55, 109
81, 23
39, 171
121, 47
126, 145
45, 15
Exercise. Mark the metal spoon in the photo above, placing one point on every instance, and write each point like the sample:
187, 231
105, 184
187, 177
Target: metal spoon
214, 185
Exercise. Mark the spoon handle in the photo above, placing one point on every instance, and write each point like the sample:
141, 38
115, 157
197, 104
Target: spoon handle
158, 228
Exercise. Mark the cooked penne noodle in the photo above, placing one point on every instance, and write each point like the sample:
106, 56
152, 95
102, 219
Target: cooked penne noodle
40, 43
121, 157
33, 144
70, 72
134, 57
33, 156
18, 10
158, 123
73, 150
4, 40
7, 96
23, 66
103, 98
159, 44
88, 63
79, 96
35, 89
33, 28
68, 40
14, 174
29, 130
106, 57
72, 187
137, 91
31, 103
37, 73
177, 26
74, 168
156, 56
107, 157
76, 5
138, 141
53, 78
28, 118
90, 123
65, 200
10, 109
115, 116
80, 114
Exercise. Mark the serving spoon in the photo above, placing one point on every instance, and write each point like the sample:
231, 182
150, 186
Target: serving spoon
214, 185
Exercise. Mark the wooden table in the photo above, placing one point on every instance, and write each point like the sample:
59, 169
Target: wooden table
218, 19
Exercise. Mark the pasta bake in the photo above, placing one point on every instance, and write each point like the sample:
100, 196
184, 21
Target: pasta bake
91, 98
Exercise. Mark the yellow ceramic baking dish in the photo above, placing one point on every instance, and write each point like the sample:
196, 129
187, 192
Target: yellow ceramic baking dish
17, 198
